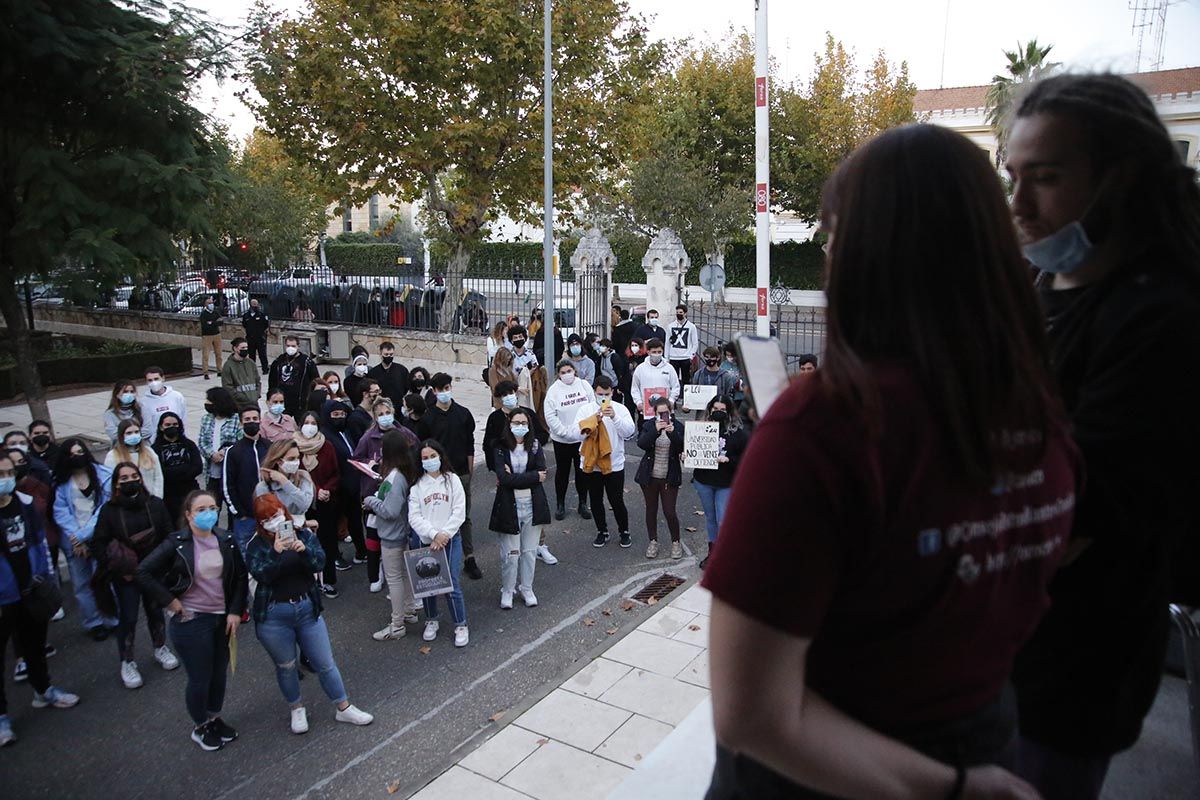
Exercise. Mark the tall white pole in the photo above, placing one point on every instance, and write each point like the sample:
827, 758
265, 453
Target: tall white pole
762, 168
548, 193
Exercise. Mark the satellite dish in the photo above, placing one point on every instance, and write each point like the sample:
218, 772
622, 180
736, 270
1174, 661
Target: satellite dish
712, 277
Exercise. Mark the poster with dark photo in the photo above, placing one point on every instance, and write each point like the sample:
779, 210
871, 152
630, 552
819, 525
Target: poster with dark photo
429, 572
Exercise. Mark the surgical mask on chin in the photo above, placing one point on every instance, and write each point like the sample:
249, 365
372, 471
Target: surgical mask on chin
1062, 252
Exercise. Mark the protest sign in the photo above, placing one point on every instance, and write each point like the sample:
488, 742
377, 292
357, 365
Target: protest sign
696, 397
428, 572
701, 444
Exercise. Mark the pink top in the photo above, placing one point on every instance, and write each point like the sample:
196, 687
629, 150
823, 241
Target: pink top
206, 595
276, 430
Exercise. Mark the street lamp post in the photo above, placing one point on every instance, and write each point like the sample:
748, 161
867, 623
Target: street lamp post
762, 167
548, 193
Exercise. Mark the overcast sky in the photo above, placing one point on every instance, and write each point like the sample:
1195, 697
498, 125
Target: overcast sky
1086, 34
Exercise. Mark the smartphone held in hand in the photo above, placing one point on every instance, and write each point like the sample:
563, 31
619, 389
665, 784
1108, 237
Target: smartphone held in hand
763, 368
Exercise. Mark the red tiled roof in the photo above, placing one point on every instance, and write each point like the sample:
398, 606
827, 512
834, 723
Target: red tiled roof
1167, 81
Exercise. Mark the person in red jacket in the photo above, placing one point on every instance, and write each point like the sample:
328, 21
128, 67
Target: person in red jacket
319, 458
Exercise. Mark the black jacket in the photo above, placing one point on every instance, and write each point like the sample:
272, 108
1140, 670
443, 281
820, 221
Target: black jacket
240, 474
622, 335
493, 432
646, 332
454, 428
292, 375
181, 463
504, 507
122, 518
343, 445
256, 323
539, 346
393, 381
167, 573
646, 437
210, 321
357, 422
722, 476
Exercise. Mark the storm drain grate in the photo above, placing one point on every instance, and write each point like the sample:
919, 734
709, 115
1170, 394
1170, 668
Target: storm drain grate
659, 588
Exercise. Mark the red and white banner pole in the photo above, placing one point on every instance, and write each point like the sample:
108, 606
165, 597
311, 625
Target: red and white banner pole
762, 168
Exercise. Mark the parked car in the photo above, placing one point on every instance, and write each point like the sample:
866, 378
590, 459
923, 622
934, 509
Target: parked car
237, 299
120, 297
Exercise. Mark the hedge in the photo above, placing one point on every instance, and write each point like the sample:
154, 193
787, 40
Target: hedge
367, 259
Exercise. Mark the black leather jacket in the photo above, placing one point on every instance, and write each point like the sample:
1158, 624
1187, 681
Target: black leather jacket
167, 572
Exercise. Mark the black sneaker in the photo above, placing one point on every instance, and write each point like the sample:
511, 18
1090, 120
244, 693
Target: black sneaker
561, 513
341, 565
98, 633
51, 650
471, 569
626, 540
601, 539
207, 738
583, 511
223, 729
330, 591
21, 672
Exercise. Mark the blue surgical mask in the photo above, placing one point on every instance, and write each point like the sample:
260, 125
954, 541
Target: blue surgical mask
1062, 252
132, 439
576, 349
431, 464
509, 401
7, 486
520, 431
445, 397
128, 398
387, 420
278, 408
206, 520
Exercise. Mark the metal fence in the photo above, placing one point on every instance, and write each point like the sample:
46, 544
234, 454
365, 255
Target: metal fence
801, 331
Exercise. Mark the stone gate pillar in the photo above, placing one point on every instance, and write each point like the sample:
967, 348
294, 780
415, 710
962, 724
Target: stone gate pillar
593, 262
666, 263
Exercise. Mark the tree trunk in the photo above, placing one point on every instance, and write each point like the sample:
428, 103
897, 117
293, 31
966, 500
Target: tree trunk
456, 272
26, 360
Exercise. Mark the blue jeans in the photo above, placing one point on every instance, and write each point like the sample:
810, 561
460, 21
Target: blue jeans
82, 570
291, 624
713, 500
458, 607
243, 532
204, 650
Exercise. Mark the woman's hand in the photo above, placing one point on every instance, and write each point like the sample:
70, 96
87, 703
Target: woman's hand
279, 545
507, 469
311, 524
218, 456
440, 541
542, 476
175, 607
670, 428
276, 476
660, 425
722, 459
323, 495
994, 783
232, 621
296, 545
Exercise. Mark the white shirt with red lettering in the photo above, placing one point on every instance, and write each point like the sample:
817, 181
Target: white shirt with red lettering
437, 505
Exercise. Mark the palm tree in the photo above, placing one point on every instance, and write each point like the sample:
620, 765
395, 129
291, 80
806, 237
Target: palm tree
1025, 65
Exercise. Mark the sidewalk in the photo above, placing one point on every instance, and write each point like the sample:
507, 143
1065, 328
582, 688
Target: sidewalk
592, 737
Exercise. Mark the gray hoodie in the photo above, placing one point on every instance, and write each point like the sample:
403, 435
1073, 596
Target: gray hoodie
390, 507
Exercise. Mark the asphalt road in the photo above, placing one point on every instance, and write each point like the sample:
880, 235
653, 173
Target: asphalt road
427, 707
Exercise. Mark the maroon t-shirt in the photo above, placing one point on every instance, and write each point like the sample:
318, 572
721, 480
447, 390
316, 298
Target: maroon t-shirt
915, 591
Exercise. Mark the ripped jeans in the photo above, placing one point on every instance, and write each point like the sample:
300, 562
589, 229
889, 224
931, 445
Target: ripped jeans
290, 624
518, 554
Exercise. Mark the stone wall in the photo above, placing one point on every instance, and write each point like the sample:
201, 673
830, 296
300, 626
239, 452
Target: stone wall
412, 347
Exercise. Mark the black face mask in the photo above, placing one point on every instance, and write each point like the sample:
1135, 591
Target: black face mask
719, 416
680, 317
79, 461
242, 353
418, 384
41, 440
518, 342
712, 362
386, 359
250, 428
337, 423
170, 432
130, 488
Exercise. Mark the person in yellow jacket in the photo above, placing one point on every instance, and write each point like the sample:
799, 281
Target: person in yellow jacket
604, 427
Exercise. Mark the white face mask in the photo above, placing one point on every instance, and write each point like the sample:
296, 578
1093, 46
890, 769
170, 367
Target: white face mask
308, 430
291, 349
289, 467
567, 377
334, 387
360, 369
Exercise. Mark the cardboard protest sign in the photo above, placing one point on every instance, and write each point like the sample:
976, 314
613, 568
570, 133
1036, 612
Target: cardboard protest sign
428, 572
657, 391
696, 397
701, 444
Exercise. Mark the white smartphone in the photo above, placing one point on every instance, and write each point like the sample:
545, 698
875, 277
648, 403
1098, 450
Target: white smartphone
764, 369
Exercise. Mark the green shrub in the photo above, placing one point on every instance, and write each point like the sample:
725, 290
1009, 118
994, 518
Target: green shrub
368, 259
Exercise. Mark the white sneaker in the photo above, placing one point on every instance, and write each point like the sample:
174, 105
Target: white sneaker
528, 596
461, 636
299, 720
59, 615
54, 697
130, 675
431, 630
377, 586
506, 599
410, 618
354, 716
388, 633
545, 556
166, 658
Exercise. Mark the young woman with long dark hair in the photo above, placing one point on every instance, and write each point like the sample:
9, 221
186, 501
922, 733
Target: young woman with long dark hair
388, 516
714, 486
520, 508
660, 473
180, 460
899, 514
436, 510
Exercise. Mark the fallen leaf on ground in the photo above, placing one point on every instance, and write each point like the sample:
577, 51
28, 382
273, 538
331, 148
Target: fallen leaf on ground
393, 787
693, 627
652, 601
425, 650
691, 528
611, 631
542, 742
607, 612
628, 605
496, 717
588, 621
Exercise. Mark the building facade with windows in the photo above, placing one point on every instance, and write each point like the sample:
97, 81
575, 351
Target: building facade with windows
1175, 92
369, 216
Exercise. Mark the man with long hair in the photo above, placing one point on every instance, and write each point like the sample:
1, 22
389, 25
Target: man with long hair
1110, 215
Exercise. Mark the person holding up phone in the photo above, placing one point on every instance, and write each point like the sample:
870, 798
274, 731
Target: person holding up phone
282, 476
436, 510
283, 558
660, 472
602, 459
199, 576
